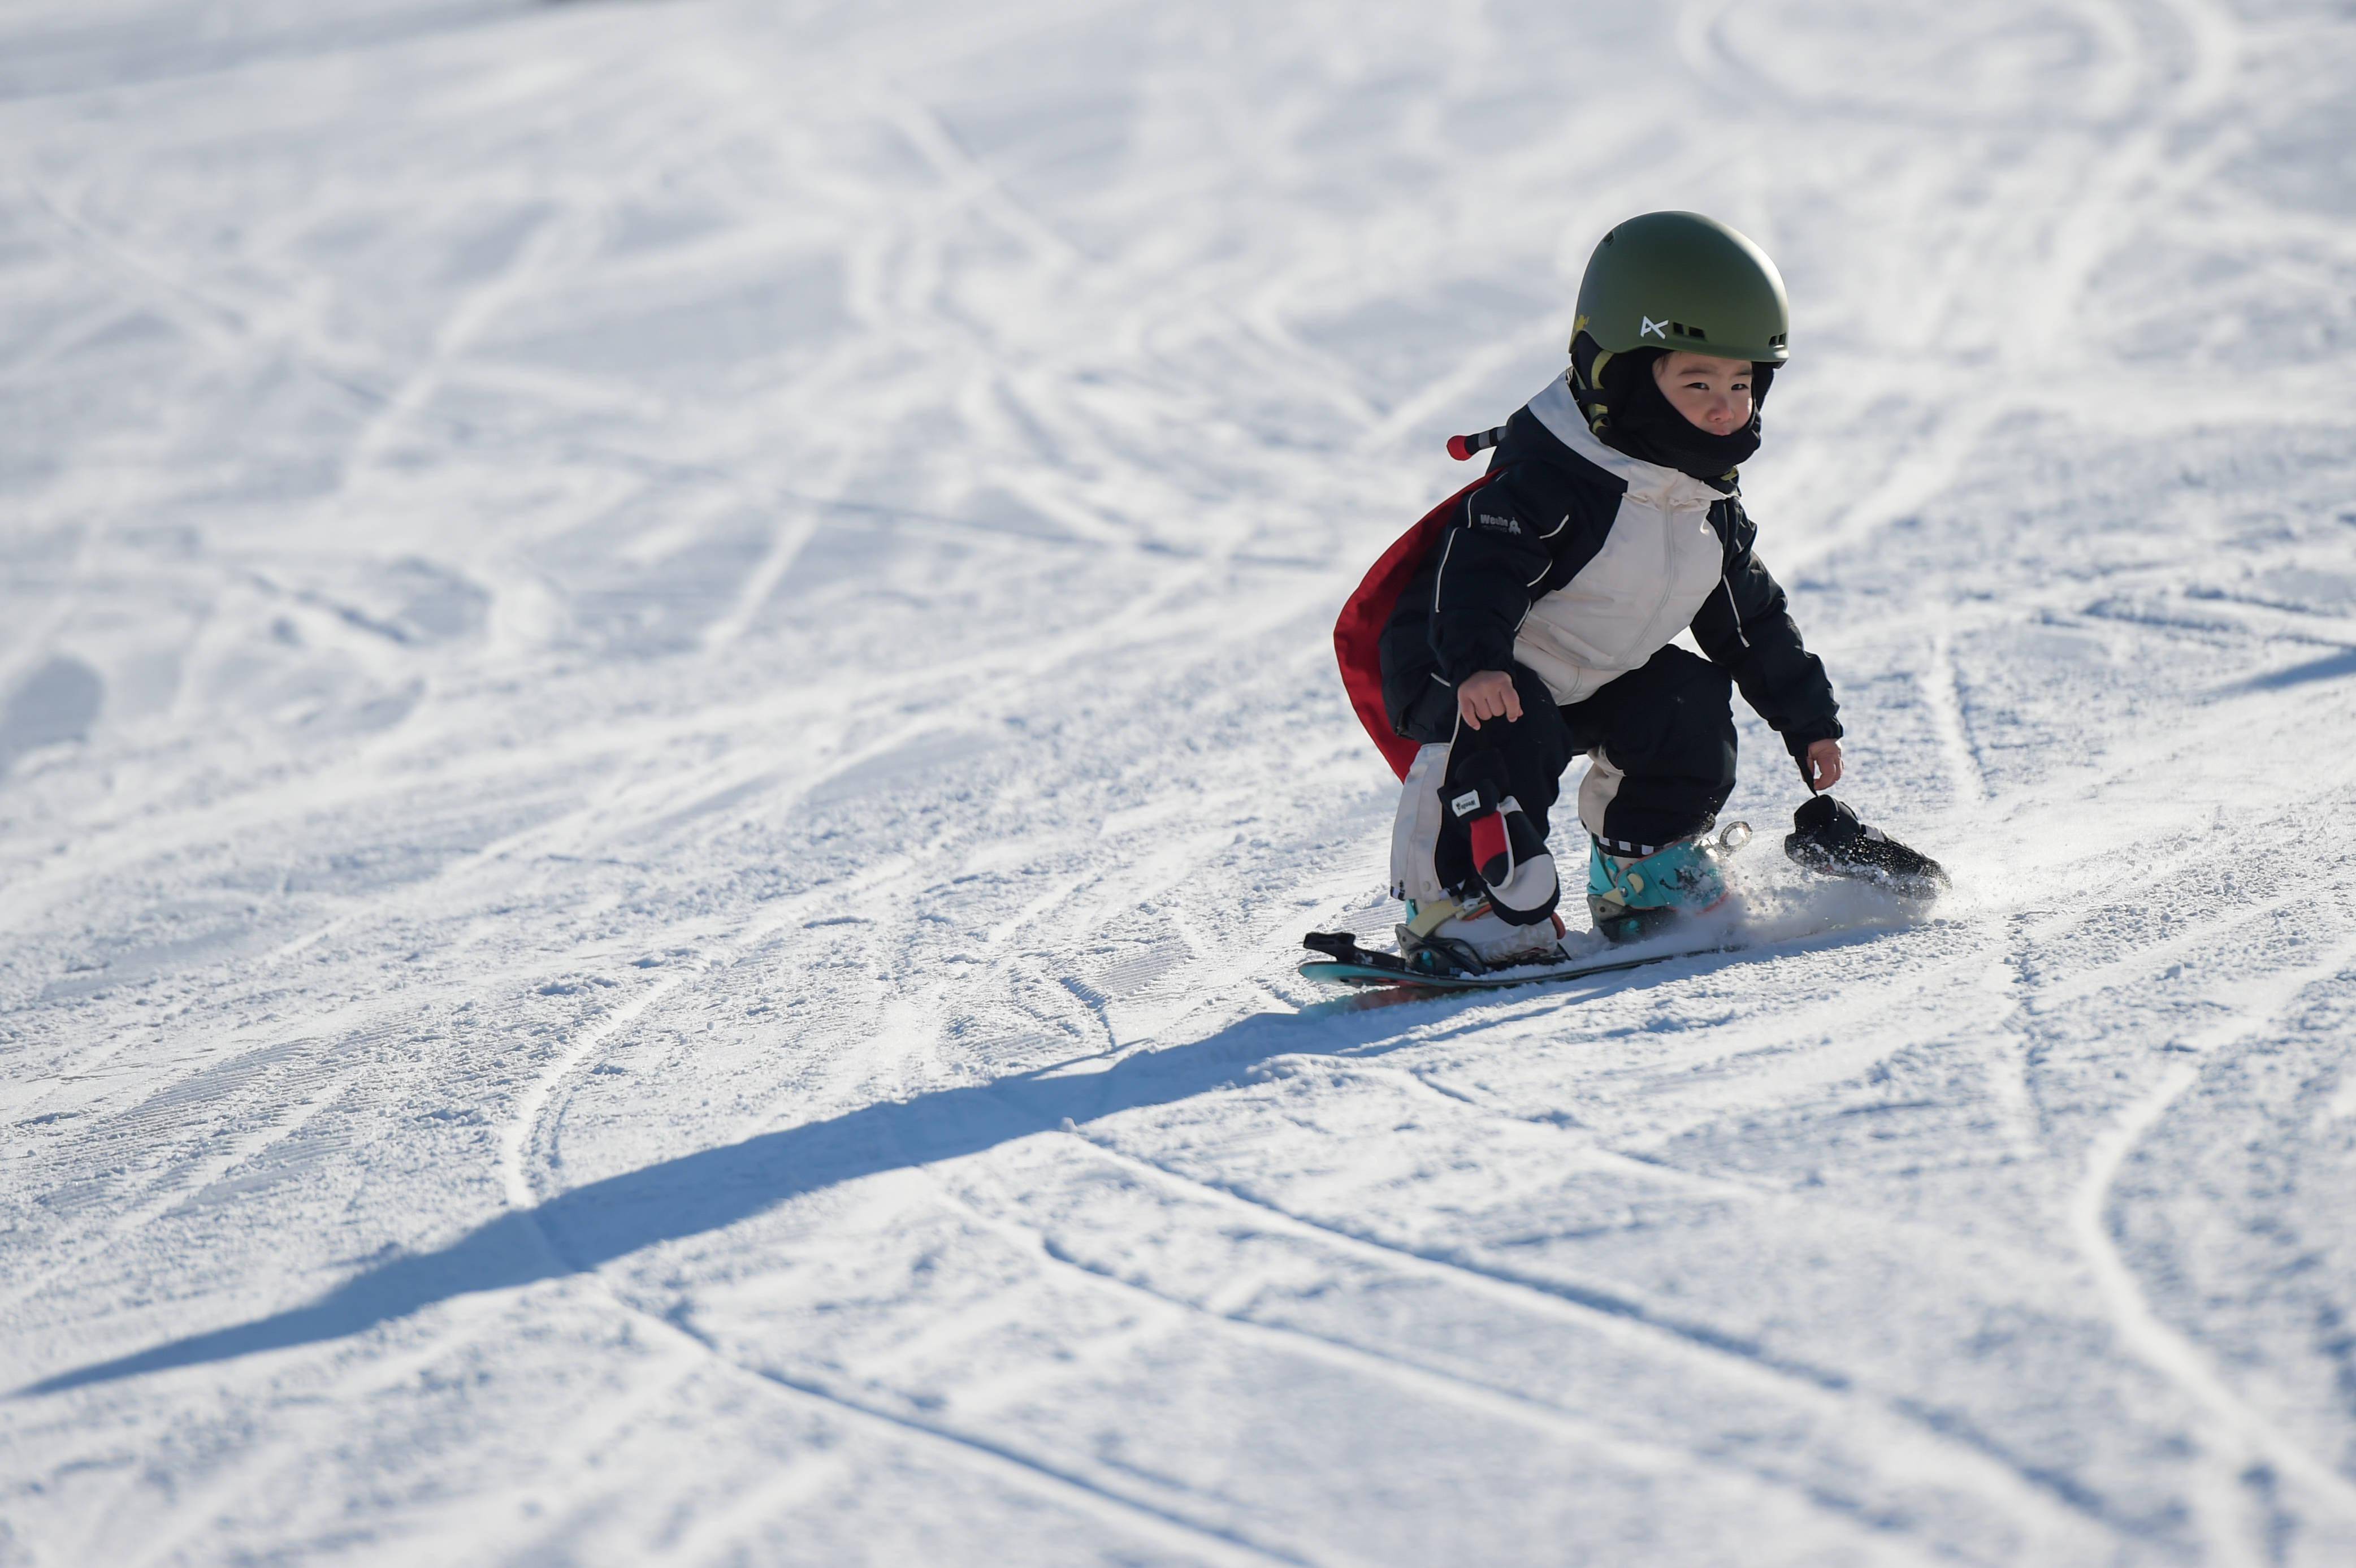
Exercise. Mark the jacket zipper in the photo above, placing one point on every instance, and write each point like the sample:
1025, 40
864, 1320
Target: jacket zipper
1669, 515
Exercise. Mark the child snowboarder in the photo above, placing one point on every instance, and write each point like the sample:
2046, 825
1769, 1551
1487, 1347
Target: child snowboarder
1530, 620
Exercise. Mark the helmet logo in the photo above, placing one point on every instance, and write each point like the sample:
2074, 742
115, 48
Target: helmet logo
1657, 329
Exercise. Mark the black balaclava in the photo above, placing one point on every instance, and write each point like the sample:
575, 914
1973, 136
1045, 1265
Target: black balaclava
1629, 413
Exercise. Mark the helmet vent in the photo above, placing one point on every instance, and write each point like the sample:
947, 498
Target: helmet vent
1777, 341
1682, 330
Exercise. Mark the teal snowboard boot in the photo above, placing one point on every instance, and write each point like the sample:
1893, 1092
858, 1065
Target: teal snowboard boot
1633, 896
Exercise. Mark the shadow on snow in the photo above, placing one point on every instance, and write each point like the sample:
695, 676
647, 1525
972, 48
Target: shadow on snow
589, 1226
2331, 667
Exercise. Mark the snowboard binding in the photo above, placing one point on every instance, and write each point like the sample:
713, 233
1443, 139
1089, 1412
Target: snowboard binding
1828, 839
1426, 958
1451, 938
1447, 941
1630, 898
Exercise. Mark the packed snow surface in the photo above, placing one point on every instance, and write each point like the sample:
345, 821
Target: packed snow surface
666, 727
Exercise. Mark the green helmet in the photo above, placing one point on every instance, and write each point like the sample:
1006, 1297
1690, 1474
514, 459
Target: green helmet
1681, 280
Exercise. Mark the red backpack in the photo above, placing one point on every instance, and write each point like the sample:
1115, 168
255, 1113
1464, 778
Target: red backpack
1358, 633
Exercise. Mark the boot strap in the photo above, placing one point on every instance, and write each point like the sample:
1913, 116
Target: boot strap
1429, 917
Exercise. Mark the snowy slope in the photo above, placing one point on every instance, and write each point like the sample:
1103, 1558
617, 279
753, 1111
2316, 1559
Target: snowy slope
665, 724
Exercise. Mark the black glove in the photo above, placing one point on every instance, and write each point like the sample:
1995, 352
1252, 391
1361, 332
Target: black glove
1828, 838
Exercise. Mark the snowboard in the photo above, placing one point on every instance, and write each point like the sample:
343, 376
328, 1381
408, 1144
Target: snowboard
1826, 838
1347, 963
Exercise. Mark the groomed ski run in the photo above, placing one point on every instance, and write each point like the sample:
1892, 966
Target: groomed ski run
667, 725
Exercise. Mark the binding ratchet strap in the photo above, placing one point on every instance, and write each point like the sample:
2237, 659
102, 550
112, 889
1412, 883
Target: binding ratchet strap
1429, 917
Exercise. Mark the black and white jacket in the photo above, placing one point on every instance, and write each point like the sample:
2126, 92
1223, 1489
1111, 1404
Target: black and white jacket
1581, 562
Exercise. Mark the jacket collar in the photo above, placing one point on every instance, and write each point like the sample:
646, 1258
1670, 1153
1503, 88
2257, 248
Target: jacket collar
1650, 483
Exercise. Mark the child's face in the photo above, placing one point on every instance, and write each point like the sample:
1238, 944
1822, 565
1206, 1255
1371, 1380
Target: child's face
1712, 393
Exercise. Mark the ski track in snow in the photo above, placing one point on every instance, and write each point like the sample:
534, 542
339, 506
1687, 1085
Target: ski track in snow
666, 721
